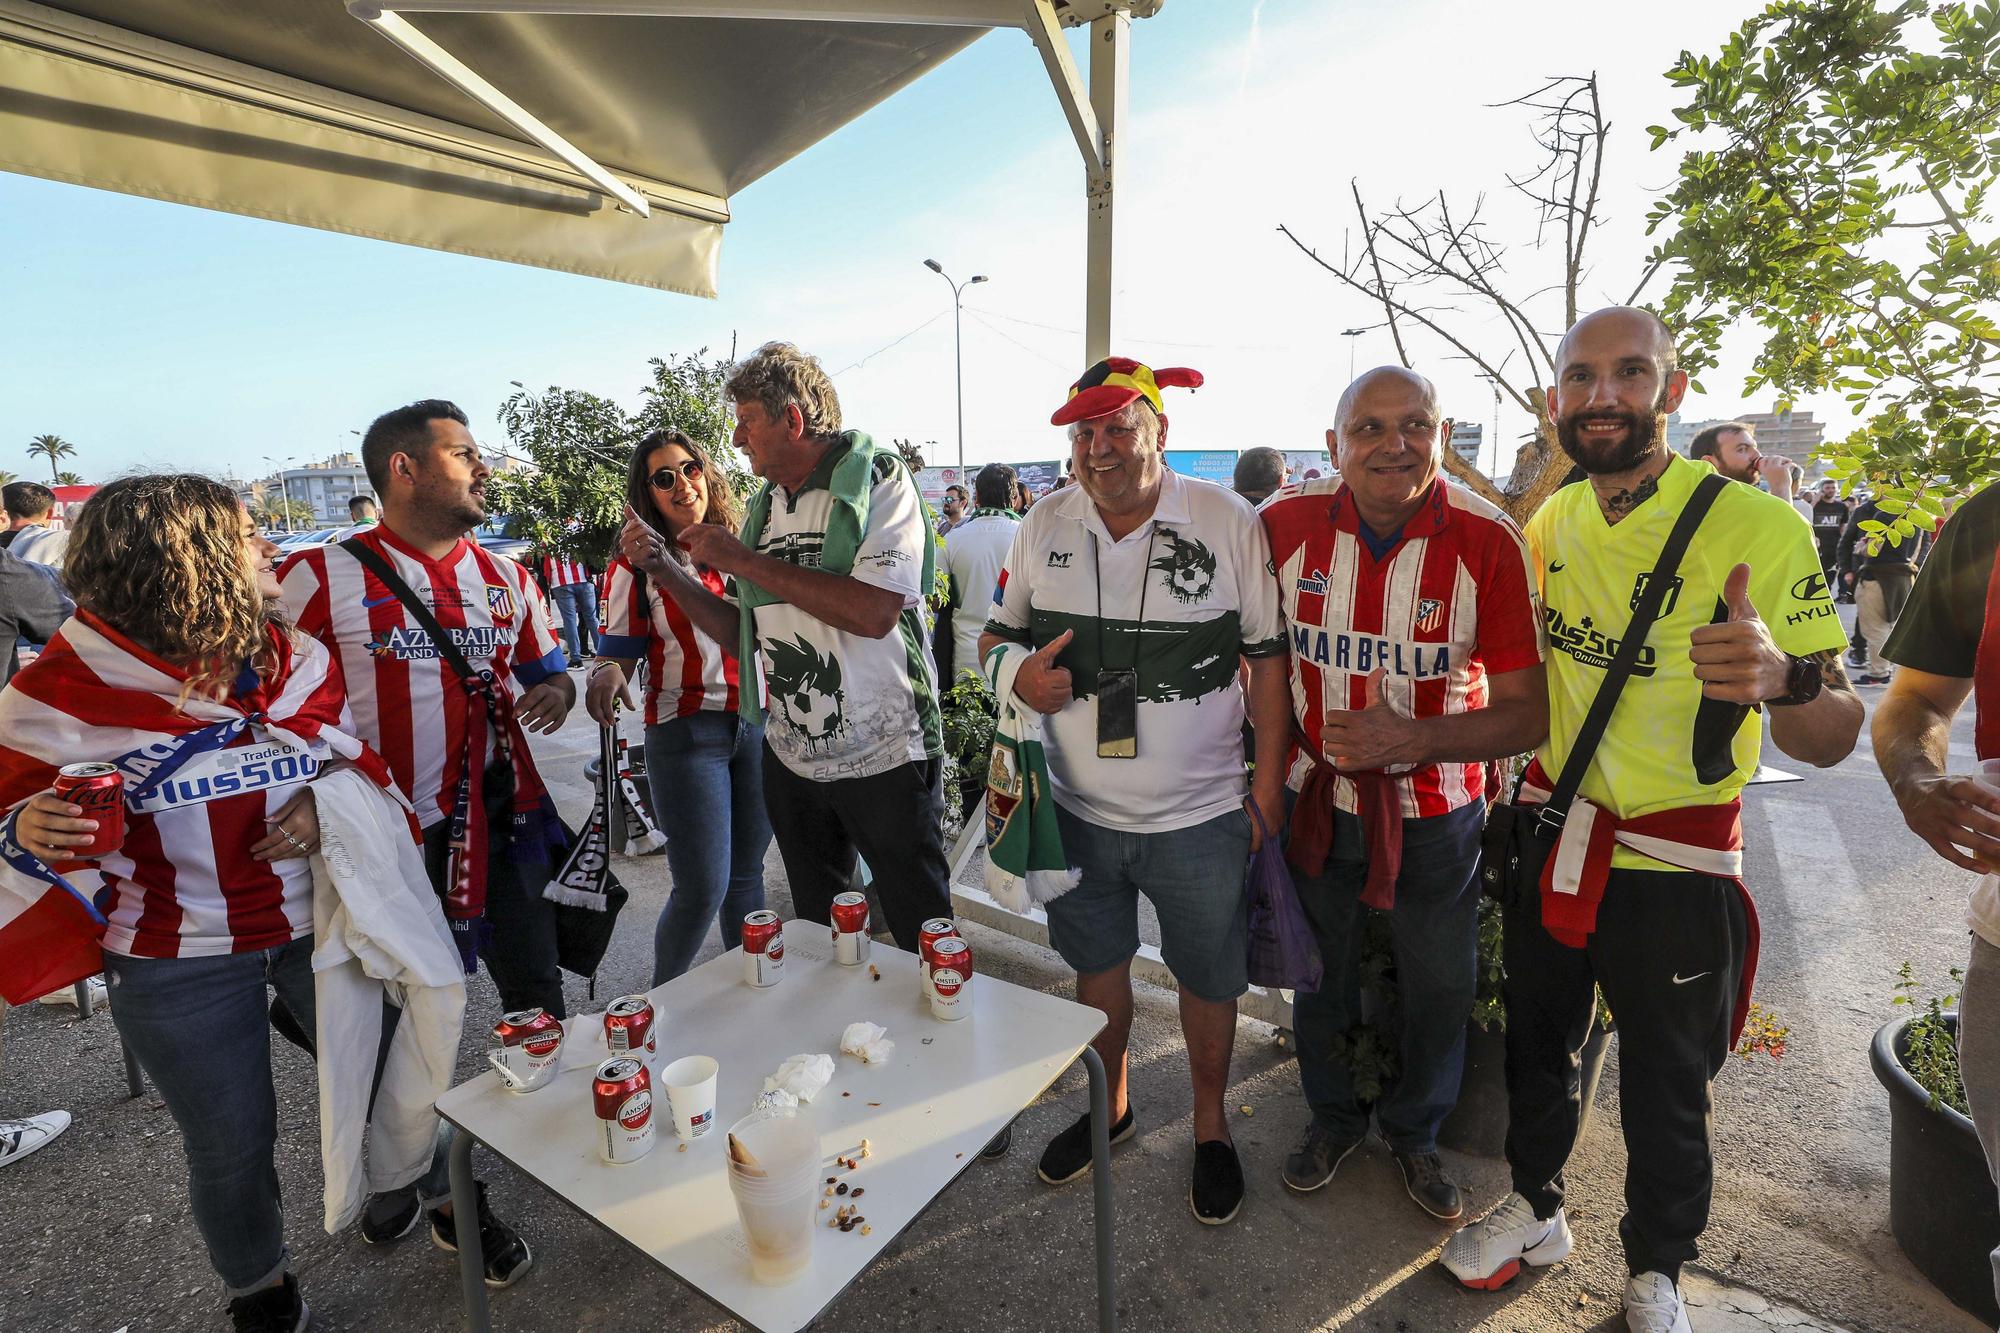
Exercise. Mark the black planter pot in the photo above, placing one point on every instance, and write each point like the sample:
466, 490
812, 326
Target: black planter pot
1942, 1207
1478, 1124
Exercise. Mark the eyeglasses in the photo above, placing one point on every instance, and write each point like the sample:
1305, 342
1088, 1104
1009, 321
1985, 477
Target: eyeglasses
664, 478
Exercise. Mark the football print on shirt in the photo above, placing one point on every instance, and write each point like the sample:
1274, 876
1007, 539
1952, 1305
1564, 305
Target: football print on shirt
1189, 567
805, 686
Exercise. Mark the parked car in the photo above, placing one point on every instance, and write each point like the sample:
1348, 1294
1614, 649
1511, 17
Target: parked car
494, 536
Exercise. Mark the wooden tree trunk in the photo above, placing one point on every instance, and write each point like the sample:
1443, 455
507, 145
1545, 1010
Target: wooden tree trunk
1540, 468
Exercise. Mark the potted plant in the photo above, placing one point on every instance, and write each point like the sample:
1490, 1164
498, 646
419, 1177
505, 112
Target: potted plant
1942, 1207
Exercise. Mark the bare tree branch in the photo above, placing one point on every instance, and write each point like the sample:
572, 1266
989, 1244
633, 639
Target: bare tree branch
1374, 258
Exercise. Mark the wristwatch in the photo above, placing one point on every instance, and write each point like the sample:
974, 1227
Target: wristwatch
1802, 683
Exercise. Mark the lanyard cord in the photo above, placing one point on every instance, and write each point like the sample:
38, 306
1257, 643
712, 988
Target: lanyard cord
1097, 581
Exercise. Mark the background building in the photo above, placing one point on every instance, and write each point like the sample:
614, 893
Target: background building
1467, 439
1794, 434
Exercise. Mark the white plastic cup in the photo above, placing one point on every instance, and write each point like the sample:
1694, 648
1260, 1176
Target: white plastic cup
1989, 772
776, 1208
690, 1087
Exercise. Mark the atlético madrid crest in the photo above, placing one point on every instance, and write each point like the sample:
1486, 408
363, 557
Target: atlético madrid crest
1430, 613
500, 601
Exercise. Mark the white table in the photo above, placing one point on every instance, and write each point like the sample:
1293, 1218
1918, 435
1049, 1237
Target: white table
944, 1093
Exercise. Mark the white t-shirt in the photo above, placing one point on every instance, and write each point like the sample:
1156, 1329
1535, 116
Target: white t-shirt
841, 705
974, 552
43, 545
1200, 571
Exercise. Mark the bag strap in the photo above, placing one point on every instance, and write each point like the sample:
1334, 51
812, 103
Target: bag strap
372, 561
1556, 809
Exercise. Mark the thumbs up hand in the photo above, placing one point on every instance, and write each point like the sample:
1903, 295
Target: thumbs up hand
1735, 659
1372, 736
1040, 683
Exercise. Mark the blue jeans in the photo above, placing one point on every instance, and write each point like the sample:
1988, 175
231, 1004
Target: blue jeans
574, 602
706, 772
1435, 925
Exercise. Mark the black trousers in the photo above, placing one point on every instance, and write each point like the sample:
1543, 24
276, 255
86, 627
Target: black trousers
894, 819
520, 952
1668, 952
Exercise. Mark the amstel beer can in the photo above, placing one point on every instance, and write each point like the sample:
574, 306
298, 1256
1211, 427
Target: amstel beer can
100, 790
851, 940
950, 998
628, 1026
537, 1032
763, 949
933, 930
622, 1094
949, 954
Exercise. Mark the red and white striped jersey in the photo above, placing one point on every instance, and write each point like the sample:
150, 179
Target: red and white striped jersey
201, 777
562, 573
407, 702
1449, 603
686, 671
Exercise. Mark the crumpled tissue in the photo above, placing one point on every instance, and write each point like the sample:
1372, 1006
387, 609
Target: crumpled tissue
803, 1076
867, 1042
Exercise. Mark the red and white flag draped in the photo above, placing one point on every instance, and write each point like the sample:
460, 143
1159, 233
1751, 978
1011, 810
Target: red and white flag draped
95, 696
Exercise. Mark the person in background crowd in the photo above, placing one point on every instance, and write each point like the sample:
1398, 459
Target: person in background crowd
1829, 519
1731, 448
954, 509
1667, 934
1259, 473
209, 905
362, 514
1022, 499
1880, 580
32, 606
704, 761
574, 593
974, 552
1391, 778
31, 532
1137, 590
826, 583
460, 753
1947, 647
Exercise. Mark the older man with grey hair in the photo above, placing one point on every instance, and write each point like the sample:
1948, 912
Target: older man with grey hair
1416, 656
1259, 473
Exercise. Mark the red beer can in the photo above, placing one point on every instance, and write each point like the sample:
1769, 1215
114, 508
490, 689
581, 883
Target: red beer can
851, 941
933, 930
537, 1029
763, 949
100, 790
628, 1026
949, 994
952, 952
622, 1094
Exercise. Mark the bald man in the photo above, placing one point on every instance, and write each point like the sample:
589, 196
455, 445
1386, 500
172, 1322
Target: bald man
1416, 656
1669, 933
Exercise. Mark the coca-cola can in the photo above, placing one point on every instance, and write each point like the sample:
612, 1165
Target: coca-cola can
951, 997
100, 790
851, 940
628, 1026
763, 949
933, 930
622, 1094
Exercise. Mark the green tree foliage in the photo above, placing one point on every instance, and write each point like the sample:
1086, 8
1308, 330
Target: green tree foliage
573, 501
272, 511
1834, 193
70, 479
54, 448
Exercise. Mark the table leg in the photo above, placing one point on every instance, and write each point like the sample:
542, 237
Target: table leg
1100, 1171
465, 1226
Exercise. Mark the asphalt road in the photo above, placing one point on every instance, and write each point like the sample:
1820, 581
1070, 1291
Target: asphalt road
98, 1235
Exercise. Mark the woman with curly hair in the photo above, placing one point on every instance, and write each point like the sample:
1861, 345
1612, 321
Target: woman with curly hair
178, 669
703, 761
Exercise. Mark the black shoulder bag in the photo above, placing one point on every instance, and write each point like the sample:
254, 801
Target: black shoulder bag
1519, 838
582, 934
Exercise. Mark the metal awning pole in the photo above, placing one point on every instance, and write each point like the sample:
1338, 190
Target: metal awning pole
1110, 64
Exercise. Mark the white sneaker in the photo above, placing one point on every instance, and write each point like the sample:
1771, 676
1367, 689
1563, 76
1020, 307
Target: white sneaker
1653, 1305
18, 1138
67, 995
1488, 1254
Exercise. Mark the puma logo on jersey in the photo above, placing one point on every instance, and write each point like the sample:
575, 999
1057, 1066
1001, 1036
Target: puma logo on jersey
1314, 583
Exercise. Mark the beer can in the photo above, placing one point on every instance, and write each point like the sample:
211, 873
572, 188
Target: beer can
933, 930
851, 941
100, 790
950, 994
536, 1031
763, 949
628, 1026
950, 952
622, 1095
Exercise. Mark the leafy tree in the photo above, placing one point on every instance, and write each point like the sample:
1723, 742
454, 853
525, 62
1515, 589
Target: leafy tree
1834, 193
573, 501
6, 476
272, 509
54, 448
69, 479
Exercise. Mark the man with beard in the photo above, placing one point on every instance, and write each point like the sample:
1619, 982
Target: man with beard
1668, 934
1731, 449
461, 758
1829, 518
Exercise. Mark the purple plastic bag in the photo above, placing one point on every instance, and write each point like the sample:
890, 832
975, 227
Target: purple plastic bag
1283, 953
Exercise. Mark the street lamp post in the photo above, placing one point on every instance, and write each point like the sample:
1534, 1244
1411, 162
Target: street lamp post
1351, 335
957, 351
283, 490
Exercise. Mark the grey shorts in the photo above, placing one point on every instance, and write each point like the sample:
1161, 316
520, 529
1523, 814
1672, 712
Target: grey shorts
1193, 876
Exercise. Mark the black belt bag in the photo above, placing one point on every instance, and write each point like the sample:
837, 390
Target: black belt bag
1519, 839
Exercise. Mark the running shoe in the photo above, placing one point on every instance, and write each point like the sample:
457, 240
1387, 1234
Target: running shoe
1653, 1305
1488, 1254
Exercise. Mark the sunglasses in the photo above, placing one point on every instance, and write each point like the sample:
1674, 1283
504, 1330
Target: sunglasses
664, 478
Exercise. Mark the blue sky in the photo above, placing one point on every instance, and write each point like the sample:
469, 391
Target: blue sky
153, 335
